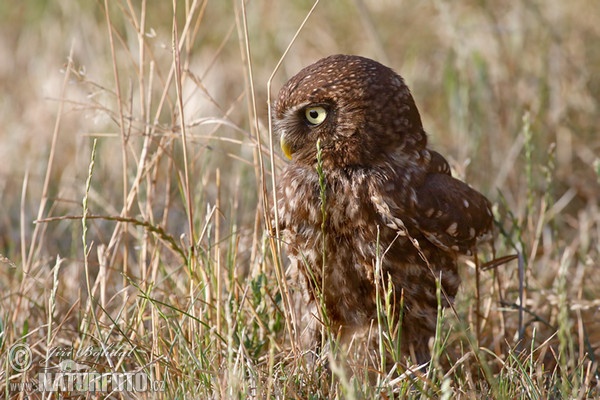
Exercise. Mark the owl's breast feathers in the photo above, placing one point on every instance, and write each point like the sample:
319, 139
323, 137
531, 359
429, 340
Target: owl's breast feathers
370, 212
426, 199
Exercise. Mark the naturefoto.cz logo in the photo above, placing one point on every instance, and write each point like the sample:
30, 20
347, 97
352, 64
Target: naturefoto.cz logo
71, 376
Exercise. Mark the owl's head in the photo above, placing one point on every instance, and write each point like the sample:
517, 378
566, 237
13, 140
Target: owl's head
360, 110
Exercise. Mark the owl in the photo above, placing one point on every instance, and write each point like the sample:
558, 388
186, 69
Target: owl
367, 212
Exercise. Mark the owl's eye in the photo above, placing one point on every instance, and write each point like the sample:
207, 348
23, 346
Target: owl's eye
315, 115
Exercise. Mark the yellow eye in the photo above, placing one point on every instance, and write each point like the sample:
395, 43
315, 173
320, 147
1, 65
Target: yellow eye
315, 115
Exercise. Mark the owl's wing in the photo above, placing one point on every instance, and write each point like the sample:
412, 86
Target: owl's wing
449, 213
437, 163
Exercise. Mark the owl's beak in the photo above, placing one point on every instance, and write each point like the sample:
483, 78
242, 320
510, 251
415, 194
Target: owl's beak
287, 149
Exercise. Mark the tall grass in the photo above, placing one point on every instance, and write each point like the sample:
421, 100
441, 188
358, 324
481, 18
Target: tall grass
163, 258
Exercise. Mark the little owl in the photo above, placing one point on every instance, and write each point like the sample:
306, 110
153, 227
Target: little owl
366, 211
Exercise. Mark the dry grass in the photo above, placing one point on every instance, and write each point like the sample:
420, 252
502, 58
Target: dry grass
148, 169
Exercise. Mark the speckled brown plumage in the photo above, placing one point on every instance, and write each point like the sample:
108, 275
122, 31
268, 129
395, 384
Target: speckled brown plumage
390, 201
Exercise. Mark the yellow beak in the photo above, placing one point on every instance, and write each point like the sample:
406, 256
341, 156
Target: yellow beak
287, 150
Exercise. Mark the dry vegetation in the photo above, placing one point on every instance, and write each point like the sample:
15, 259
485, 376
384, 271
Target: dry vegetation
147, 175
